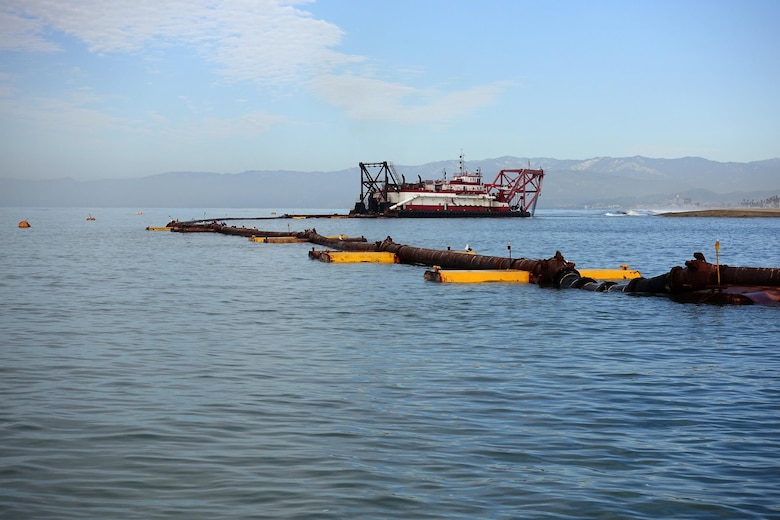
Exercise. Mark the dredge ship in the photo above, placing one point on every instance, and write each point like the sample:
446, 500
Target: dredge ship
383, 192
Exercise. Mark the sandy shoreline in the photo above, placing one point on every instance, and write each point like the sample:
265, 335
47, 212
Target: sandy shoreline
732, 212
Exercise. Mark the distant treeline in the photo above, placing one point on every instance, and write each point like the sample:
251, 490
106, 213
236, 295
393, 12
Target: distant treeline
770, 202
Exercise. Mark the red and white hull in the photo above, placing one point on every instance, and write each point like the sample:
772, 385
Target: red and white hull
465, 195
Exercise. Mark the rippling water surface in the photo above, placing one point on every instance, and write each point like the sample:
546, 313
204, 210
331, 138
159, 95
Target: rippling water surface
163, 375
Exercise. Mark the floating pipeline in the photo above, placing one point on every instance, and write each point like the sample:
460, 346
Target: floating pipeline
213, 226
698, 282
286, 216
217, 227
542, 271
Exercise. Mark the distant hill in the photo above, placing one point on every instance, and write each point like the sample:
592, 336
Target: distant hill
597, 182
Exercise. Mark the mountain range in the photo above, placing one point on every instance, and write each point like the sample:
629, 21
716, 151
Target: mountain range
598, 182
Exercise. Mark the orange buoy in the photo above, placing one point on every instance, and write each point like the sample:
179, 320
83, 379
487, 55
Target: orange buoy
24, 224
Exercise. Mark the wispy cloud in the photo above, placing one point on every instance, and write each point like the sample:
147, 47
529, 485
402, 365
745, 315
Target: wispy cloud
76, 113
373, 99
245, 126
22, 33
271, 43
264, 41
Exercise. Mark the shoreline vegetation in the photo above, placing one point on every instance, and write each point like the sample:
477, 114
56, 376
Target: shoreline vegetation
731, 212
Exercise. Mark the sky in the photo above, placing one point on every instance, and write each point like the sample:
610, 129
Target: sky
91, 89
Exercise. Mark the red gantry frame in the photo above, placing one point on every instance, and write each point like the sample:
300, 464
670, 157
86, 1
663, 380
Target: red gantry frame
519, 188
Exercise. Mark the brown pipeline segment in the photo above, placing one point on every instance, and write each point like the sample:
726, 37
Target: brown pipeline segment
698, 282
216, 227
542, 271
336, 243
700, 274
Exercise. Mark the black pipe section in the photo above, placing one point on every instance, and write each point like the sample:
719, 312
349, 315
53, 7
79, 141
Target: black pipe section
698, 282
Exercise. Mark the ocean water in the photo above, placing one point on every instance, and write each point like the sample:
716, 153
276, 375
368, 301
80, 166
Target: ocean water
164, 375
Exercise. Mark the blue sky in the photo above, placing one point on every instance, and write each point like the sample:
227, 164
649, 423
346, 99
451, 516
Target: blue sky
91, 89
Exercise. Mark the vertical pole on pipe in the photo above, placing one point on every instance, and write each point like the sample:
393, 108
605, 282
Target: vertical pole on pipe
717, 259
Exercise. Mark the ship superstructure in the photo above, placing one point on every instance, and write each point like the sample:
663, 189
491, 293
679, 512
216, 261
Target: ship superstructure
383, 192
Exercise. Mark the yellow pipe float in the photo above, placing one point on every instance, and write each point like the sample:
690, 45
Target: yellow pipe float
519, 276
478, 276
624, 273
355, 257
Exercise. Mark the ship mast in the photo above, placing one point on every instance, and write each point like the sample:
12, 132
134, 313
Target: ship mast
464, 171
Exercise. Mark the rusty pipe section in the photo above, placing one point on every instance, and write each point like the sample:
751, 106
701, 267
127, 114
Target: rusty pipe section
224, 229
336, 243
542, 271
698, 282
699, 274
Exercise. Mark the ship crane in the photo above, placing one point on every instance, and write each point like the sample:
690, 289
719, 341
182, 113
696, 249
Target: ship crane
519, 187
383, 192
375, 180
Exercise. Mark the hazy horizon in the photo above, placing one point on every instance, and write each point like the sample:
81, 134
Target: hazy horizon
287, 170
90, 90
597, 181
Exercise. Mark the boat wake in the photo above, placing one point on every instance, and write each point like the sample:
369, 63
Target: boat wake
631, 213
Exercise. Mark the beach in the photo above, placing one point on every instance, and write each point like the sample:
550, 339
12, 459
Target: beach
730, 212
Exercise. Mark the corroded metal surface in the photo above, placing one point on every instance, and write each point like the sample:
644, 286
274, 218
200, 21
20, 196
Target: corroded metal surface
699, 274
224, 229
542, 271
336, 243
698, 282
